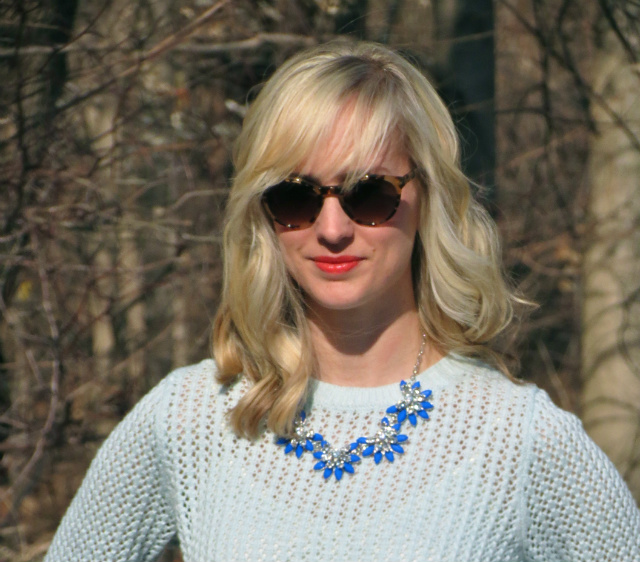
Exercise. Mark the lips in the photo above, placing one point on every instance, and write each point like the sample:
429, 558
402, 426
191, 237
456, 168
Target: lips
336, 264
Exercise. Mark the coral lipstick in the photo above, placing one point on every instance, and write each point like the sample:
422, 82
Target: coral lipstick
336, 264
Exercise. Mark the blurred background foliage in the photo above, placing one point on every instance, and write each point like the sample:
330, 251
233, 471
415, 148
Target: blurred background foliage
117, 121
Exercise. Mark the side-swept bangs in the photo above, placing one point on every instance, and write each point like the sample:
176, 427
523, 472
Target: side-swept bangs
302, 106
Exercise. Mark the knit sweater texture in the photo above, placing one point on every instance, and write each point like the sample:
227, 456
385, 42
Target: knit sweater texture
497, 474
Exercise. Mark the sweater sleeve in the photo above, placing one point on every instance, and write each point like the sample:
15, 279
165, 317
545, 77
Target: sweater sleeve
121, 512
578, 508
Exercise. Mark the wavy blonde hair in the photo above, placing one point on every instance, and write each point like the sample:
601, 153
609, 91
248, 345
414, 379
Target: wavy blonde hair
461, 294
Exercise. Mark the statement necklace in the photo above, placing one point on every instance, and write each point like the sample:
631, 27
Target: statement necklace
383, 445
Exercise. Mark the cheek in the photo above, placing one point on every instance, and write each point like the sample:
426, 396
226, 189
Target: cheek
414, 204
288, 241
400, 253
399, 247
406, 223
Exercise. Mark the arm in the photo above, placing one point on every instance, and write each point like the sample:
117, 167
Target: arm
578, 508
121, 512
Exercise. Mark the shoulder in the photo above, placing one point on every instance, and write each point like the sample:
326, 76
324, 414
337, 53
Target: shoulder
546, 424
559, 443
188, 383
198, 373
573, 500
577, 504
181, 396
482, 408
515, 411
191, 397
553, 439
485, 385
180, 389
193, 385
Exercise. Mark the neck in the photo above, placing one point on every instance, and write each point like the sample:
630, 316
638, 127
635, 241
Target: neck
355, 351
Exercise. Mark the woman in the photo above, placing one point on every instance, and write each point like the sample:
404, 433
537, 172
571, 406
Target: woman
355, 258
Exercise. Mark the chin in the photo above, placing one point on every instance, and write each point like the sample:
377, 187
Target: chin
336, 302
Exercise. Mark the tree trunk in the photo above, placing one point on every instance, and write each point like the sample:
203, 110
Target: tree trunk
611, 305
131, 288
99, 122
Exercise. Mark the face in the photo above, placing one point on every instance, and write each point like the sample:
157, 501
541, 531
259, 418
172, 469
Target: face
343, 266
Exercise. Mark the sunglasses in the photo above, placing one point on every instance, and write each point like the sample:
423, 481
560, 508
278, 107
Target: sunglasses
296, 202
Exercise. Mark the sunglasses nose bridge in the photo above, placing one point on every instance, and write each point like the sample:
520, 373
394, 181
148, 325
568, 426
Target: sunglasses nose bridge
333, 223
329, 191
334, 191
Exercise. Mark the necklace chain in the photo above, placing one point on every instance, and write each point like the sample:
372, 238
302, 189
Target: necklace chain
385, 444
414, 373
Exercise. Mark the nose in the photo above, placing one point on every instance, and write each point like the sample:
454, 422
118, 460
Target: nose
333, 227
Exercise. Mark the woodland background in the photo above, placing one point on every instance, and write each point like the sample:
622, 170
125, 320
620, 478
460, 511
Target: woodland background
116, 123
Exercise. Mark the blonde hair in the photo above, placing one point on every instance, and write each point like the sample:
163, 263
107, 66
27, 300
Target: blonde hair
261, 328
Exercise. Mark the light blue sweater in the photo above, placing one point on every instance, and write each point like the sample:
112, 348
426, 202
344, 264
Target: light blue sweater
498, 474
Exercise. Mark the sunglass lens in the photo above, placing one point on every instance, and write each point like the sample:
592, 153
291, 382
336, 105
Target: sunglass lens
372, 201
293, 204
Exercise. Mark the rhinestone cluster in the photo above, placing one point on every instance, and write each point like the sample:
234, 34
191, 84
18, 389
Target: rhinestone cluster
384, 444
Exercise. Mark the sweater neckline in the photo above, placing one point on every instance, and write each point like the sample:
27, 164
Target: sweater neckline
324, 395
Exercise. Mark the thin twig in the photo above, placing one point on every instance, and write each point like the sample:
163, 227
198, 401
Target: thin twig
255, 42
613, 24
